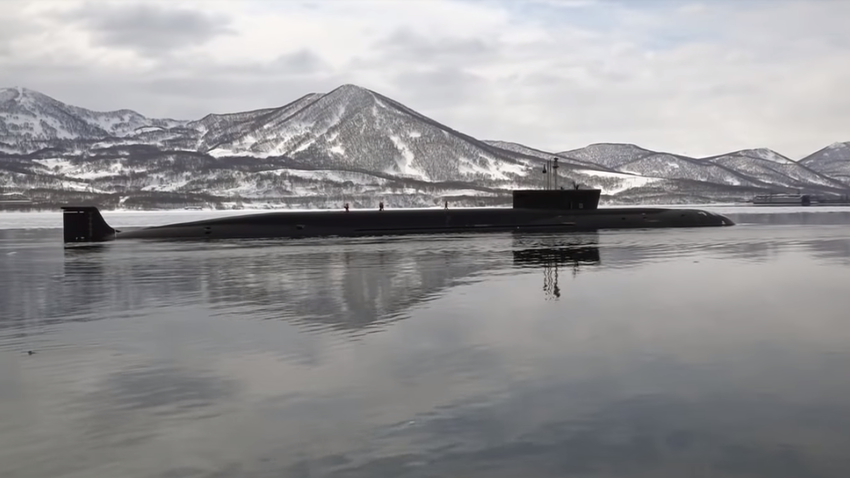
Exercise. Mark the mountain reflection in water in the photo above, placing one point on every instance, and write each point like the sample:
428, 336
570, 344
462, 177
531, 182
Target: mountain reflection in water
622, 353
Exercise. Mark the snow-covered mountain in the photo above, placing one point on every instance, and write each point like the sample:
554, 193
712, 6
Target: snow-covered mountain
765, 153
27, 115
564, 161
354, 128
348, 145
774, 169
611, 155
833, 161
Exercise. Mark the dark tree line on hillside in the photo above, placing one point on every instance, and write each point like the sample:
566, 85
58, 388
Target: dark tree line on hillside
51, 199
26, 181
15, 165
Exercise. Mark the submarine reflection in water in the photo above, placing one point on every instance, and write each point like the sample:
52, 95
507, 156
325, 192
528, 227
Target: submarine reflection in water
550, 253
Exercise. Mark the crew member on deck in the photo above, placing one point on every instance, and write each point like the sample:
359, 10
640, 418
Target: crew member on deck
381, 206
346, 207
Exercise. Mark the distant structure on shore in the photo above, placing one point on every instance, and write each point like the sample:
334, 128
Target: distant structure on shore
786, 199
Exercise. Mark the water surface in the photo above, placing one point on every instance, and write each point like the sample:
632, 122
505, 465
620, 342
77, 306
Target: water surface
700, 352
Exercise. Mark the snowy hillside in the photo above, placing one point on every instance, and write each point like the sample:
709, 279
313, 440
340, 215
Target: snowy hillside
773, 168
348, 145
671, 166
27, 115
765, 153
832, 161
564, 161
352, 127
219, 130
610, 155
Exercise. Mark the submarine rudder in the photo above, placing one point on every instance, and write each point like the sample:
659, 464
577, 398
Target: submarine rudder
85, 224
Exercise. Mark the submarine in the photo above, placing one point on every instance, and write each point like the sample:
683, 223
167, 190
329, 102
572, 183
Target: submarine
532, 210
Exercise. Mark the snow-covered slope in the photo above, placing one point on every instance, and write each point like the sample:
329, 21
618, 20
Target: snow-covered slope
27, 115
348, 145
672, 166
764, 153
610, 155
564, 161
773, 168
352, 127
757, 168
217, 131
832, 161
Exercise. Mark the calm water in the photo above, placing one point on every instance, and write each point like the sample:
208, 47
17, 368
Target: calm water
716, 352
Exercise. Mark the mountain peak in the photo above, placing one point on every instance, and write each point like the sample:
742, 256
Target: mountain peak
350, 93
609, 147
18, 93
835, 150
610, 155
23, 92
351, 87
832, 160
614, 144
29, 115
766, 154
9, 94
353, 128
14, 89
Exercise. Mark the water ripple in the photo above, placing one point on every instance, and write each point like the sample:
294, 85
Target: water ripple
622, 353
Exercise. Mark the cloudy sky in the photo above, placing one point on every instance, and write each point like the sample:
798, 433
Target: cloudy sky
675, 75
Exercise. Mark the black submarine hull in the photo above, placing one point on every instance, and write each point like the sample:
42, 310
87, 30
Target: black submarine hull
85, 223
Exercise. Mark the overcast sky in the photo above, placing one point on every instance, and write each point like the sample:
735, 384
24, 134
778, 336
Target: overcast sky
687, 77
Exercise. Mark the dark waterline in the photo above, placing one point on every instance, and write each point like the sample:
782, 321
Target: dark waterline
705, 352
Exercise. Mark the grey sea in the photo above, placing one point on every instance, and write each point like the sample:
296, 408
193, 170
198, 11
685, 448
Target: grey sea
666, 353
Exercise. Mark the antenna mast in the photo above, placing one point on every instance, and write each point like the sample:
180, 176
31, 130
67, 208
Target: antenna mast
555, 173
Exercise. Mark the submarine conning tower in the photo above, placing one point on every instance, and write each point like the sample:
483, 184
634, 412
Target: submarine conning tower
553, 197
556, 198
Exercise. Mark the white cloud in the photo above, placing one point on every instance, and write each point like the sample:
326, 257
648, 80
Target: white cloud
696, 78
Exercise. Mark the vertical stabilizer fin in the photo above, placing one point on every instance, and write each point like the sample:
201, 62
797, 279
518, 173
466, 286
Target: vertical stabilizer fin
85, 224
